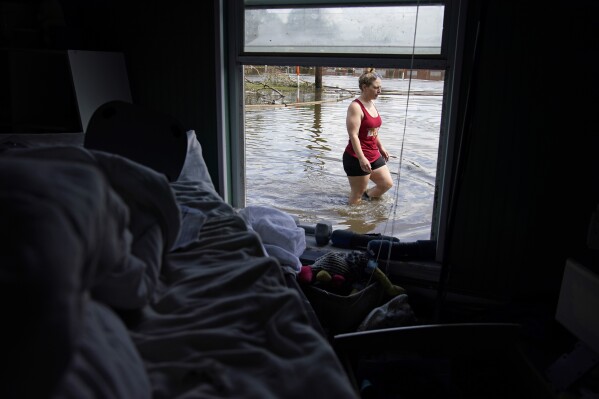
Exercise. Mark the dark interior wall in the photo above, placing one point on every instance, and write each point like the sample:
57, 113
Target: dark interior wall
530, 172
169, 50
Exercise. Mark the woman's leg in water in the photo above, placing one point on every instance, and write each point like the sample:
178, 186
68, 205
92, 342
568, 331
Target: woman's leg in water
358, 185
382, 180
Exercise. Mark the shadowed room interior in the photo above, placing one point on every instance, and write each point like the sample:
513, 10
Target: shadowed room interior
524, 196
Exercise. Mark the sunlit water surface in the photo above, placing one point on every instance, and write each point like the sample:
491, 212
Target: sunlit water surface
293, 160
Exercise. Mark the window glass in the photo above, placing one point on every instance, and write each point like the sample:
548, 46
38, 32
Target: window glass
345, 30
296, 134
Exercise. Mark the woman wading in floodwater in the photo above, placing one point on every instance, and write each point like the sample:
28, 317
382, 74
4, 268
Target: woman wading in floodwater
365, 157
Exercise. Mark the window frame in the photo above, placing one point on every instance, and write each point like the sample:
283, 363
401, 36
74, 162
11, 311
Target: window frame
231, 104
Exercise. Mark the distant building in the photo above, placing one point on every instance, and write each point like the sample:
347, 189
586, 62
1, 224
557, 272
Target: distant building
390, 73
422, 74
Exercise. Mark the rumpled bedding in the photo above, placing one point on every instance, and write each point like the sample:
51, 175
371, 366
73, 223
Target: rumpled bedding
131, 287
68, 256
282, 237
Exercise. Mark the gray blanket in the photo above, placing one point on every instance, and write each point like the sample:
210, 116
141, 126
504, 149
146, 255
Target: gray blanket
135, 288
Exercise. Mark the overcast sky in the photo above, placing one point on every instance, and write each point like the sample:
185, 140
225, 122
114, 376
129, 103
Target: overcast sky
350, 26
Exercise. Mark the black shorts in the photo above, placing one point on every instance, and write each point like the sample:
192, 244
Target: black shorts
351, 165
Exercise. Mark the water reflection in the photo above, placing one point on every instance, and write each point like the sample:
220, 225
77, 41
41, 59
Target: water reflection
317, 145
293, 160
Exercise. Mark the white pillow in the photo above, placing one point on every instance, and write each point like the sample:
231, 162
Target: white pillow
194, 169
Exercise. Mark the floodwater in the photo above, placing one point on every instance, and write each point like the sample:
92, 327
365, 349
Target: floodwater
293, 159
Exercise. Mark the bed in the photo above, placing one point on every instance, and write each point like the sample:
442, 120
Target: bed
119, 281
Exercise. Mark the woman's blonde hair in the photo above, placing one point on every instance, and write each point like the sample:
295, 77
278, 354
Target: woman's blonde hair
368, 77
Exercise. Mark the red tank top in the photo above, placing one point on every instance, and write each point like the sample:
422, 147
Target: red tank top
369, 130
